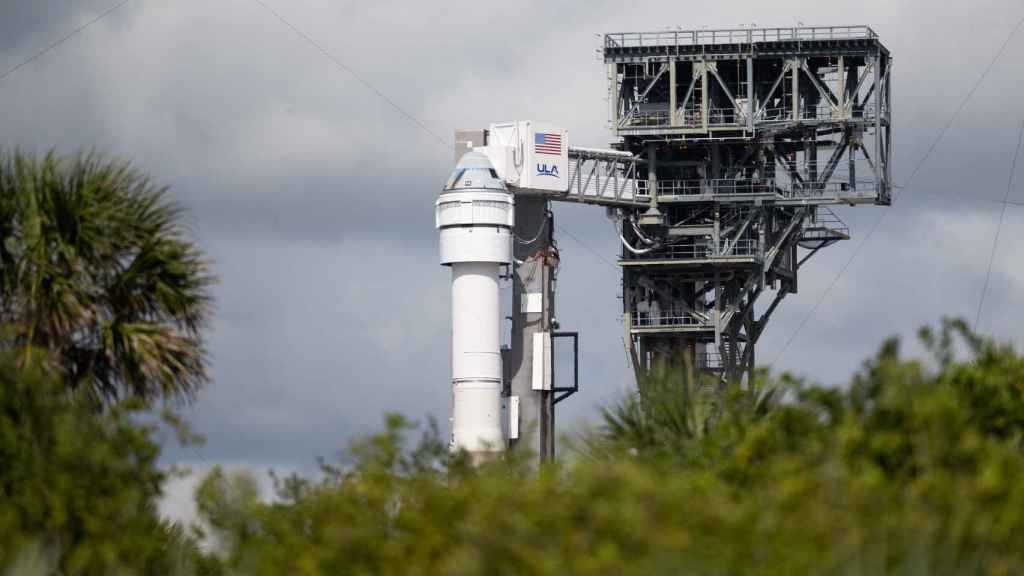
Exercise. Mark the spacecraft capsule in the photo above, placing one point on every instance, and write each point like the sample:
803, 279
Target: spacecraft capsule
474, 215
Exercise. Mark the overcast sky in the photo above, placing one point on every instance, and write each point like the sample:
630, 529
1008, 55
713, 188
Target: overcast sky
314, 197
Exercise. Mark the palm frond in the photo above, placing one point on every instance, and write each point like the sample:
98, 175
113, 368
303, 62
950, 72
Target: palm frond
95, 265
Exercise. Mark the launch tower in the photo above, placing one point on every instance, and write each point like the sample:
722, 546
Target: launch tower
732, 147
748, 136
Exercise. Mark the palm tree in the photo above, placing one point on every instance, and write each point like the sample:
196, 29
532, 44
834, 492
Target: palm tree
674, 407
98, 278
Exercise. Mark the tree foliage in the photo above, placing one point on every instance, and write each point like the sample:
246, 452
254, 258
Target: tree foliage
78, 488
913, 468
94, 266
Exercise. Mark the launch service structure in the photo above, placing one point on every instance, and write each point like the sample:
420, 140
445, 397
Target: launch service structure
732, 149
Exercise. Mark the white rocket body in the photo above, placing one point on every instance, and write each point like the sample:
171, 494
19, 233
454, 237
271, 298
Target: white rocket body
475, 216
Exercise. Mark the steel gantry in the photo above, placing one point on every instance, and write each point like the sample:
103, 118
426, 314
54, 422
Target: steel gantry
732, 148
747, 137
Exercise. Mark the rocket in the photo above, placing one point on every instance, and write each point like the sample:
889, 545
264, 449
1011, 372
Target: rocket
475, 216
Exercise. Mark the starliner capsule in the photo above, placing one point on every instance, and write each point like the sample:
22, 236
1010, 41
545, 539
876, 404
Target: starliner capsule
475, 216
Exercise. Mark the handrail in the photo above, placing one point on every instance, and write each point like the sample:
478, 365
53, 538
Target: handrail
668, 317
701, 251
728, 116
674, 188
736, 36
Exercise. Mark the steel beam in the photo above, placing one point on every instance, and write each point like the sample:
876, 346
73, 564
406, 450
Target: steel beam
719, 250
643, 95
775, 86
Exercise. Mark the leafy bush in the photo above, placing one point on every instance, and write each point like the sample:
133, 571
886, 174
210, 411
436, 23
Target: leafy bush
78, 488
914, 468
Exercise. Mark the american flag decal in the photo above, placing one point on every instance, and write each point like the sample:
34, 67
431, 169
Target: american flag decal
547, 143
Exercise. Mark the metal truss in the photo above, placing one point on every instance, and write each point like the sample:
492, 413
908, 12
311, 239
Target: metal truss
780, 88
747, 137
733, 144
694, 294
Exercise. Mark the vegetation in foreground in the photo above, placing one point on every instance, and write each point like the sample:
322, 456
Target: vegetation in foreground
913, 467
79, 488
102, 303
99, 279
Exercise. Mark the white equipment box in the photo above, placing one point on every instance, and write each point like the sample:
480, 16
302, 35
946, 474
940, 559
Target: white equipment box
528, 154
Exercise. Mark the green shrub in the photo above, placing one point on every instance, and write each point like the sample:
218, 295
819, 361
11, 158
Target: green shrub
78, 487
913, 468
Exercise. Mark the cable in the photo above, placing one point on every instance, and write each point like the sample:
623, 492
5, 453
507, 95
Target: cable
920, 164
842, 271
956, 195
581, 243
999, 227
963, 103
398, 108
540, 231
444, 142
639, 233
62, 40
627, 246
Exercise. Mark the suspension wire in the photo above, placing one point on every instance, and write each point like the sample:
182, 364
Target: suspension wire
835, 281
442, 141
56, 44
420, 124
999, 227
584, 244
913, 174
309, 40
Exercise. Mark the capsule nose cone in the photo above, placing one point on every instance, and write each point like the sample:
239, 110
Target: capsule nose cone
474, 172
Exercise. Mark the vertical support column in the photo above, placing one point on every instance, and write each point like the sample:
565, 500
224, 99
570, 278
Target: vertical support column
547, 396
811, 157
629, 301
613, 96
794, 258
751, 331
852, 78
652, 216
750, 94
652, 173
705, 112
888, 125
880, 158
672, 84
851, 155
716, 161
532, 311
841, 86
730, 341
718, 316
762, 222
716, 232
794, 68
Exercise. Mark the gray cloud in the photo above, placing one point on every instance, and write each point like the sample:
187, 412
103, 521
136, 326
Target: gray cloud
315, 197
27, 27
